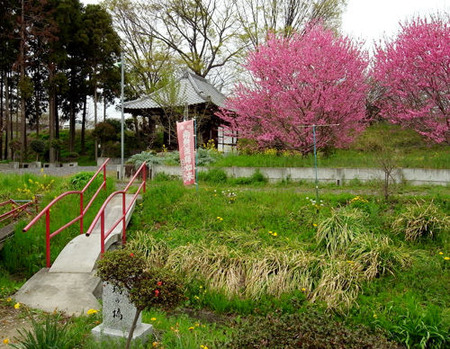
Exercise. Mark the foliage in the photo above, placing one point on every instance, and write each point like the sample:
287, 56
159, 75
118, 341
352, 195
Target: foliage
204, 157
420, 220
340, 229
377, 255
412, 73
38, 146
147, 286
301, 81
213, 175
306, 330
47, 334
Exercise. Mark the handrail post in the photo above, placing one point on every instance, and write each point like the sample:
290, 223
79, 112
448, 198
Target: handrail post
47, 237
81, 212
124, 219
144, 176
102, 233
104, 176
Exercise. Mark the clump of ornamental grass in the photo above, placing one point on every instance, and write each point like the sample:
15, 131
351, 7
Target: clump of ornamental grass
155, 251
336, 232
248, 274
420, 220
339, 284
52, 332
377, 255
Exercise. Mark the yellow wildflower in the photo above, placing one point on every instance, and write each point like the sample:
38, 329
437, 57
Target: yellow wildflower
303, 289
155, 344
9, 299
191, 328
314, 225
274, 234
441, 252
17, 305
92, 311
6, 341
153, 319
447, 258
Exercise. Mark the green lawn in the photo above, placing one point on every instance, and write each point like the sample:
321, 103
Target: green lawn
269, 266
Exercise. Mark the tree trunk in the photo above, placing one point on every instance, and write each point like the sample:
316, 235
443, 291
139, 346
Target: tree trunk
133, 327
104, 109
7, 123
51, 117
83, 127
72, 127
23, 145
95, 120
1, 114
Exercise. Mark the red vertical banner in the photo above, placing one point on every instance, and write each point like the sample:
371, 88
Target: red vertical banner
185, 133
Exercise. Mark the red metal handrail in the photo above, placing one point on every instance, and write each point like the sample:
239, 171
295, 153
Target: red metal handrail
16, 208
80, 217
101, 213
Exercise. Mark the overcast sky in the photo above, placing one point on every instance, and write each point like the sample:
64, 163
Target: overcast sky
373, 20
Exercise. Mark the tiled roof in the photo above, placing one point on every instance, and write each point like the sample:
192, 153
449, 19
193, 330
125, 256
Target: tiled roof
193, 89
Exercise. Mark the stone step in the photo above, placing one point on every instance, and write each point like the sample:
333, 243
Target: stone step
72, 293
70, 285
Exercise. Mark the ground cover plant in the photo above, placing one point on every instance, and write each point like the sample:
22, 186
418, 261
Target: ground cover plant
270, 264
251, 250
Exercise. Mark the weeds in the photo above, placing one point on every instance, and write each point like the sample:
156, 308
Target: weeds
50, 333
421, 220
337, 232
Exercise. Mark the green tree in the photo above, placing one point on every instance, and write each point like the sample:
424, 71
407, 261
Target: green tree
101, 51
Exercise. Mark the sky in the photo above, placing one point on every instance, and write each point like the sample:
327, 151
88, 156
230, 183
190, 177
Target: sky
374, 20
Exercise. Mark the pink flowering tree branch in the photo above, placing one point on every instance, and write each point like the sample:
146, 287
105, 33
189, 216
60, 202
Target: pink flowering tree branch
413, 72
316, 78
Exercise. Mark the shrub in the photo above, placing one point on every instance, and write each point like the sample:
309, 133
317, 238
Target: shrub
308, 330
149, 157
38, 146
147, 286
420, 221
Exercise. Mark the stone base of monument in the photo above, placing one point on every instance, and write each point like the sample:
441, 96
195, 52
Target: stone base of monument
141, 333
118, 315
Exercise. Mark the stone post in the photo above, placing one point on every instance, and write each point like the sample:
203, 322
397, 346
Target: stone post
118, 315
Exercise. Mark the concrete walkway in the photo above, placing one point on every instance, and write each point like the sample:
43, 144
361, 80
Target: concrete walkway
70, 285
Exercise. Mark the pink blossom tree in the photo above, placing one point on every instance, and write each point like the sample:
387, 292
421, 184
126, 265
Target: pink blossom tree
317, 78
414, 73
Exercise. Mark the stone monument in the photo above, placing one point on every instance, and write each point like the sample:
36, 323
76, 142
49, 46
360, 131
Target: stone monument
118, 315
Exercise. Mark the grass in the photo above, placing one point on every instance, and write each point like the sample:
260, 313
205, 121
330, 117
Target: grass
409, 149
261, 251
25, 252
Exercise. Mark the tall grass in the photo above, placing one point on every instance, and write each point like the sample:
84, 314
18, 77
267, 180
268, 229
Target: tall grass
25, 252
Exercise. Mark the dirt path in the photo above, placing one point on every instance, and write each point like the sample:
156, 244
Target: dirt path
11, 320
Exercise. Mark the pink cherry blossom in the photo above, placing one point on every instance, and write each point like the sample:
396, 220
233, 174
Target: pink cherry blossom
314, 78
